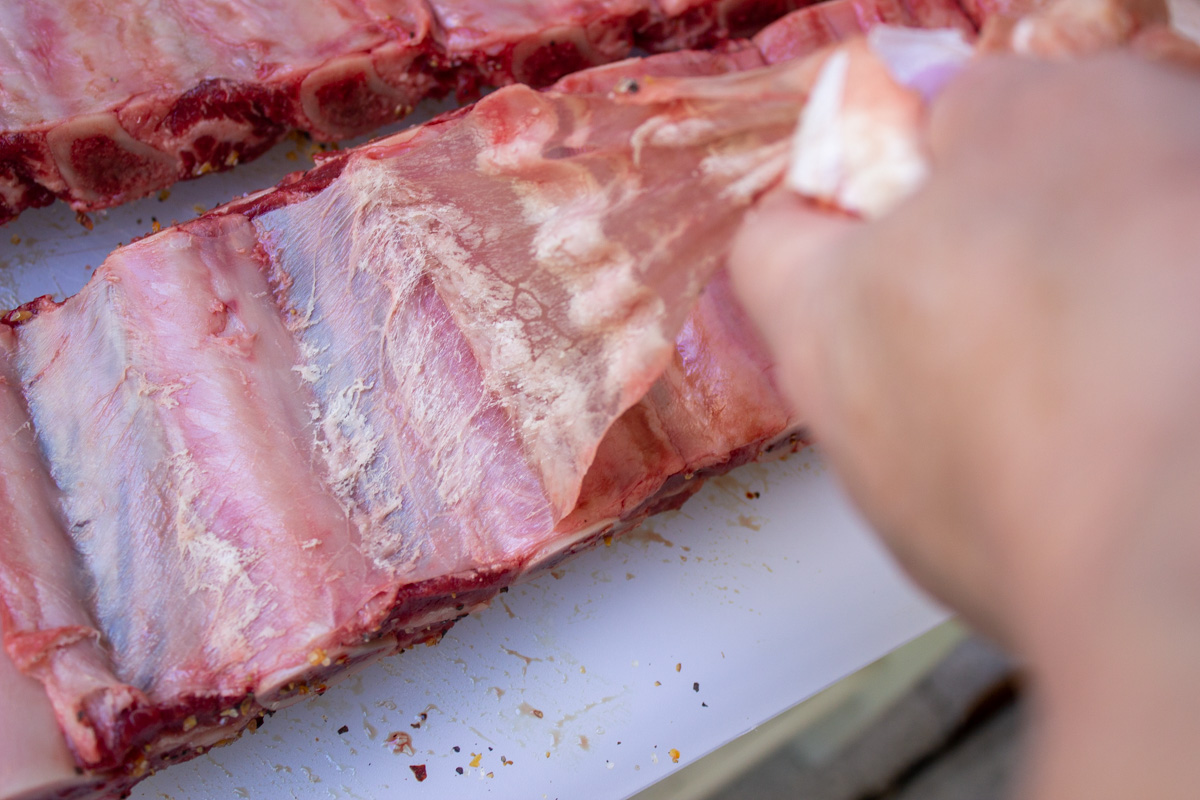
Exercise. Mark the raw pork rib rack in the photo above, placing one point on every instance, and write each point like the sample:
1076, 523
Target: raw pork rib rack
424, 370
102, 103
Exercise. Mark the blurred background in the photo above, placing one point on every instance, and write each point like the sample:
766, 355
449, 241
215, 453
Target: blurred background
937, 719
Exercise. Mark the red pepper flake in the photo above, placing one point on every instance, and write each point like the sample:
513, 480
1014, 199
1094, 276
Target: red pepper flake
419, 772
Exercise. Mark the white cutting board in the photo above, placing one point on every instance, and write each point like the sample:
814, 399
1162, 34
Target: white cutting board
681, 637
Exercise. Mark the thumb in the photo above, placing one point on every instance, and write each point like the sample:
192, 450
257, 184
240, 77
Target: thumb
779, 264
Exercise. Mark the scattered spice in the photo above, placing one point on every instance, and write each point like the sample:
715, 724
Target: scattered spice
695, 687
163, 194
419, 771
343, 730
457, 749
679, 667
15, 239
459, 770
476, 759
674, 754
84, 220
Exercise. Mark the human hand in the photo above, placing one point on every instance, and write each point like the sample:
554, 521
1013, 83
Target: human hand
1005, 371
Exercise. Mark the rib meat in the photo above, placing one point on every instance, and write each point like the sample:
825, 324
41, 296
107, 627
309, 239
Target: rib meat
416, 374
424, 370
102, 103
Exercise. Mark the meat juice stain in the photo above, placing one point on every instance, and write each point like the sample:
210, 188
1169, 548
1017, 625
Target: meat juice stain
753, 523
527, 659
647, 534
583, 743
525, 708
401, 742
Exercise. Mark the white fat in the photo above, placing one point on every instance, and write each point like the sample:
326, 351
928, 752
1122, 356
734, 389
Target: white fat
662, 131
1023, 34
309, 373
11, 191
350, 443
858, 146
214, 565
818, 147
163, 393
885, 165
752, 172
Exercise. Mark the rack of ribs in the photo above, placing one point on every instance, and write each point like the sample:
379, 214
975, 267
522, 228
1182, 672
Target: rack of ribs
100, 104
320, 423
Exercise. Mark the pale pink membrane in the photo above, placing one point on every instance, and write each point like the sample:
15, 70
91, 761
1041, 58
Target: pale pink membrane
39, 583
716, 405
466, 311
165, 400
537, 245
